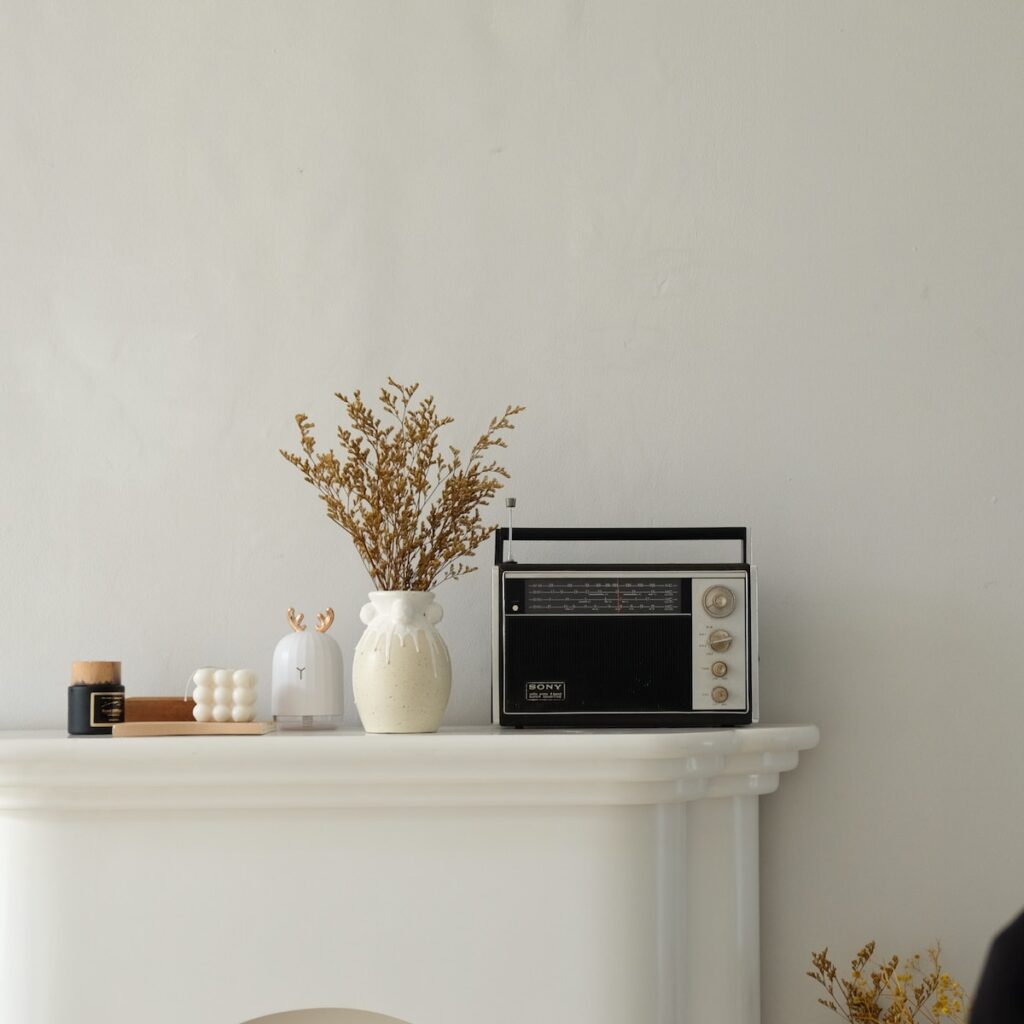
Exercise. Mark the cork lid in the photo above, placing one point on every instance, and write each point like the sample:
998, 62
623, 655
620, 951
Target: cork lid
95, 672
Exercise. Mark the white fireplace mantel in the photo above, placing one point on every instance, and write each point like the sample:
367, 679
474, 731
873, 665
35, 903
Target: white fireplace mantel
469, 876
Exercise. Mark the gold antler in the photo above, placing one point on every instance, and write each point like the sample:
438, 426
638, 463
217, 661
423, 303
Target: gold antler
324, 620
296, 622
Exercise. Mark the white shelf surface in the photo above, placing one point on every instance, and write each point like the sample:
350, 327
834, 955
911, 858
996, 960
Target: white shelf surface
479, 765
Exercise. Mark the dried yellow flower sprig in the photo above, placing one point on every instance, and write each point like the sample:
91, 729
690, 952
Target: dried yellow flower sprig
411, 507
881, 993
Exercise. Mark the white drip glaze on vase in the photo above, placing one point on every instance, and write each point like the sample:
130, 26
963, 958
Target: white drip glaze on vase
398, 615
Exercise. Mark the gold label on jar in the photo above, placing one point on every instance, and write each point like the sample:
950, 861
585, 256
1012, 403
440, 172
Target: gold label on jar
106, 708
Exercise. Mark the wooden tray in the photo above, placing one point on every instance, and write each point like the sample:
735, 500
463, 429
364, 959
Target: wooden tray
193, 728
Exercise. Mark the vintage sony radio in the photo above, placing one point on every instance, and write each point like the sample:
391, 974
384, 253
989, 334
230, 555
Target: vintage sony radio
621, 644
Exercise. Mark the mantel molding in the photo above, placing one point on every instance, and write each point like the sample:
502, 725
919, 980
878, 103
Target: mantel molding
461, 767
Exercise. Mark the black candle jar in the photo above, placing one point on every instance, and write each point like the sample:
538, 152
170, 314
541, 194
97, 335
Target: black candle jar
95, 698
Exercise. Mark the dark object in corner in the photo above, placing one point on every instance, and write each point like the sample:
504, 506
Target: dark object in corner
1000, 995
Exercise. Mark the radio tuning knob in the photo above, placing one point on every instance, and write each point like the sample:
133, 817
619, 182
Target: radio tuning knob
719, 669
719, 602
720, 640
719, 694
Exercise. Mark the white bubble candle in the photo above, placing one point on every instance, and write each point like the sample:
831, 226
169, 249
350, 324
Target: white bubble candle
224, 695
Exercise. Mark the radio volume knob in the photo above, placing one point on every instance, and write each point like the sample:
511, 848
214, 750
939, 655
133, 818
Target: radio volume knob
719, 602
719, 669
719, 694
720, 640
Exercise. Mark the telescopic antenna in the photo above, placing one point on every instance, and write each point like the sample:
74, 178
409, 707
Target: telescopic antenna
510, 503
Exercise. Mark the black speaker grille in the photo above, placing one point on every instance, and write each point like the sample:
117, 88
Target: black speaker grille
606, 664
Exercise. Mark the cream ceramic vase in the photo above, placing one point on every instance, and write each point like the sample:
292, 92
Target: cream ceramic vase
401, 673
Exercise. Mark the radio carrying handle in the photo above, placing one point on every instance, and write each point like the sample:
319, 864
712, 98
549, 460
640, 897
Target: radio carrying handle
740, 533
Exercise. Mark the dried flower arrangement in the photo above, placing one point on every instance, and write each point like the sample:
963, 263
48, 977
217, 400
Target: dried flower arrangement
411, 507
882, 993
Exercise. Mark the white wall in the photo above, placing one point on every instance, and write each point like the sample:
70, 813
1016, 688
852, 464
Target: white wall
754, 263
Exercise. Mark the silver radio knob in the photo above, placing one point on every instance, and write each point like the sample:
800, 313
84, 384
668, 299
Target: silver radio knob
719, 669
719, 602
719, 694
720, 640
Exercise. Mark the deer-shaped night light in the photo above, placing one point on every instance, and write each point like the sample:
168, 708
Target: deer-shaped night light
308, 676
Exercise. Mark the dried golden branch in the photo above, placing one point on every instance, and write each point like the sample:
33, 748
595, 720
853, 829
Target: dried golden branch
888, 995
411, 507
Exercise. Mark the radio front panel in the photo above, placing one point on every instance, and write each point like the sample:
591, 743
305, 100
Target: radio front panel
577, 647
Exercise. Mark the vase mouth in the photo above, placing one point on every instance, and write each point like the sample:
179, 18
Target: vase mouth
386, 597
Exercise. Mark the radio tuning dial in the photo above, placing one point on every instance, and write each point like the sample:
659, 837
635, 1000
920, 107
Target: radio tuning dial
720, 640
719, 694
719, 669
719, 602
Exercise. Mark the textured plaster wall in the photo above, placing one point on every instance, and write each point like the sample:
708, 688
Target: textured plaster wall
754, 263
